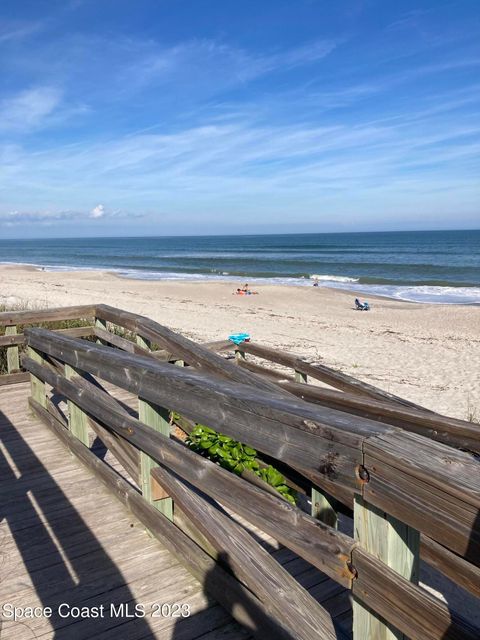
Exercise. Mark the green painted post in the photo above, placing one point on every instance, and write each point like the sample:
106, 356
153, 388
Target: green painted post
239, 355
37, 386
100, 324
301, 377
395, 544
77, 419
321, 508
157, 418
13, 360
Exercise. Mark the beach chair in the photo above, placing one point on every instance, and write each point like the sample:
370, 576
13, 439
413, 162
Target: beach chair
358, 305
361, 306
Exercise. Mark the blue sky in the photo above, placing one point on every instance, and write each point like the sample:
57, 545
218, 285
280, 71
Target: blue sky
167, 116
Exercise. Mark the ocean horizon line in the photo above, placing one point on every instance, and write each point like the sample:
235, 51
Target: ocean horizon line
242, 235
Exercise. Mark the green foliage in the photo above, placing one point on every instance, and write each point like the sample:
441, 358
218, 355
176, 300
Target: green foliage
236, 457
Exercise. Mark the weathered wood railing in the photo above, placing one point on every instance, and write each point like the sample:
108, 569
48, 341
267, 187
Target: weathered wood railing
13, 322
355, 397
388, 469
361, 445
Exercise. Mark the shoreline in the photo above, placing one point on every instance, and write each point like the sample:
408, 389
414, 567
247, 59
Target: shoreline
360, 291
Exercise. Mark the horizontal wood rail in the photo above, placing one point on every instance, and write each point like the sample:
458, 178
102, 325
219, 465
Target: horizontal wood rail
327, 549
225, 588
427, 484
409, 476
38, 316
323, 373
13, 338
182, 348
451, 431
397, 459
75, 332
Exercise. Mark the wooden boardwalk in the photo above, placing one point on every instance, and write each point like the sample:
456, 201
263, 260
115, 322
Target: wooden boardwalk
65, 540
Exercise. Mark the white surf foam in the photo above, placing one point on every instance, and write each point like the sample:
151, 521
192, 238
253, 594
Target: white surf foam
327, 278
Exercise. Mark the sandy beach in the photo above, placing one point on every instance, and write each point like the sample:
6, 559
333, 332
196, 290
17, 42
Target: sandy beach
426, 353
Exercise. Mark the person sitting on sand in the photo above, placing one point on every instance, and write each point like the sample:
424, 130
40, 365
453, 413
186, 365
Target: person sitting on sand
245, 291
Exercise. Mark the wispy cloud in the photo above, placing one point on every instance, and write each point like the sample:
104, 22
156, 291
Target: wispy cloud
218, 64
28, 109
249, 167
236, 123
51, 217
14, 31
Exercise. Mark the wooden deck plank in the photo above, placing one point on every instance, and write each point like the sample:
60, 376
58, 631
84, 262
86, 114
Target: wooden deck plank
59, 545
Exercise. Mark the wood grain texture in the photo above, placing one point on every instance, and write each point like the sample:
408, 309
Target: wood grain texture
325, 374
252, 564
37, 386
195, 355
17, 339
157, 418
13, 362
397, 546
242, 604
431, 487
322, 443
406, 606
66, 539
456, 433
46, 315
463, 573
325, 548
13, 378
107, 337
77, 419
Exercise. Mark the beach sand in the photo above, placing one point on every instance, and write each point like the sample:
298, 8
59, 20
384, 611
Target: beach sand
429, 354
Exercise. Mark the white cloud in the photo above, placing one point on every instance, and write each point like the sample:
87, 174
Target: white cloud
97, 212
13, 31
212, 66
48, 217
28, 109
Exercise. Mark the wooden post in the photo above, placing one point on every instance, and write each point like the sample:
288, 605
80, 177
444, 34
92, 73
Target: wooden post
37, 386
239, 354
301, 377
77, 419
13, 361
395, 544
157, 418
321, 507
100, 324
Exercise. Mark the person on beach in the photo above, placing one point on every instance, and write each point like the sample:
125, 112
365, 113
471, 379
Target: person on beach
245, 291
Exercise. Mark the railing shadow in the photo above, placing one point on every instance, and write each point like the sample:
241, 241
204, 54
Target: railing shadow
261, 624
65, 562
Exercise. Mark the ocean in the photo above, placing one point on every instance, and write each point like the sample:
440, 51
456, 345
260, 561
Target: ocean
420, 266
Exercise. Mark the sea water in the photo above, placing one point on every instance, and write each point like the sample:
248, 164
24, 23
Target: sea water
420, 266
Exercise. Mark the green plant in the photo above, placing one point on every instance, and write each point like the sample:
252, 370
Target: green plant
236, 457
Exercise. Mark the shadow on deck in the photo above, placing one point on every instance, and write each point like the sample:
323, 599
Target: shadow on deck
69, 546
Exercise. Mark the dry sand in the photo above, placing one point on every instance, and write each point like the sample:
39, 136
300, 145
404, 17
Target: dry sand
427, 353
